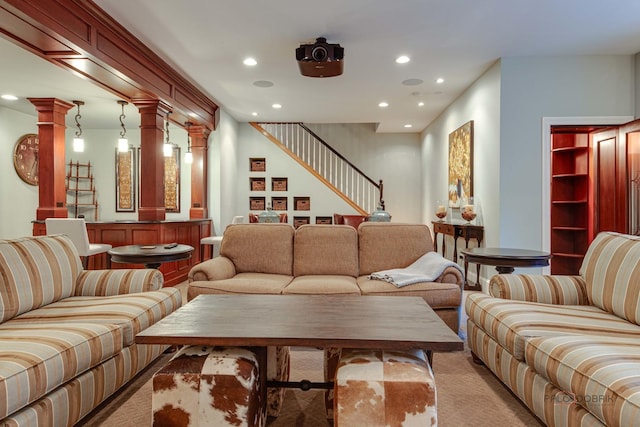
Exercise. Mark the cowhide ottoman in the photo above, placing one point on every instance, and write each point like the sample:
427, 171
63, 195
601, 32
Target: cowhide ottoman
384, 388
209, 386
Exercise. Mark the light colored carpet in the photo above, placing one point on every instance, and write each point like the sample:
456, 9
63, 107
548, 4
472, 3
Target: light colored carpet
467, 394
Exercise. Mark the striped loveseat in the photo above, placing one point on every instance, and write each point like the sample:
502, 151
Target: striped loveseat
66, 334
568, 346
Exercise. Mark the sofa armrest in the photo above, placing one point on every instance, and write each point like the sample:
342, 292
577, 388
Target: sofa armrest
118, 282
546, 289
451, 275
217, 268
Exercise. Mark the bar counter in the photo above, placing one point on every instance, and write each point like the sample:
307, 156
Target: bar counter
132, 232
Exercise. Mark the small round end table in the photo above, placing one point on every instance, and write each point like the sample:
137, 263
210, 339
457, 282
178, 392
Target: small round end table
504, 259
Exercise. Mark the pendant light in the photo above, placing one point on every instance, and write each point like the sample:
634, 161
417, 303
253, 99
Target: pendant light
123, 143
167, 148
78, 143
188, 156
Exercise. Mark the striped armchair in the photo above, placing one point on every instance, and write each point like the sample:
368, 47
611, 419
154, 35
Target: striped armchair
568, 346
67, 334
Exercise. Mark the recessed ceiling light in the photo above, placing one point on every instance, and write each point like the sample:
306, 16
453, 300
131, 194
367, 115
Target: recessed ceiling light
192, 114
412, 82
254, 114
276, 106
440, 80
408, 125
250, 62
403, 59
420, 104
263, 83
9, 97
383, 104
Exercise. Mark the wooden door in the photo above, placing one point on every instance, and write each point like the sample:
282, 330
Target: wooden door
604, 175
628, 181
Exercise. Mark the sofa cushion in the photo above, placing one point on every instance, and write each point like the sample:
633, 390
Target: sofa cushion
36, 271
601, 373
611, 268
436, 294
387, 245
259, 248
132, 313
512, 323
36, 358
323, 285
243, 283
322, 249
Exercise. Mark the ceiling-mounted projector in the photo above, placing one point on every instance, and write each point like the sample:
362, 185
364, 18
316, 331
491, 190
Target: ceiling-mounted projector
320, 59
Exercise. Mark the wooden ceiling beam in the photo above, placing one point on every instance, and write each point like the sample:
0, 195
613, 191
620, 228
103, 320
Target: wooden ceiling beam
83, 38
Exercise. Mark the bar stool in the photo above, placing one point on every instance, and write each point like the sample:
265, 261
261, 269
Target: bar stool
76, 229
216, 240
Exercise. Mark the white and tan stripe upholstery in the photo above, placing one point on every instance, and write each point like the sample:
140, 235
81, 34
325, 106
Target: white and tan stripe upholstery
611, 269
602, 373
553, 406
93, 283
511, 323
60, 354
36, 358
36, 271
132, 313
546, 289
75, 399
590, 352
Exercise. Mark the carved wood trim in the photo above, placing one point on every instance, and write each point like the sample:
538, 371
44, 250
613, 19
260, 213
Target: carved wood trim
81, 37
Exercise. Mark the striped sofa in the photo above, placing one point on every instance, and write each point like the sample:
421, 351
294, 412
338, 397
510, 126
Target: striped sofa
67, 334
567, 346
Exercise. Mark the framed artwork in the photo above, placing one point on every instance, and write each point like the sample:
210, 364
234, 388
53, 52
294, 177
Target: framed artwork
460, 164
172, 181
126, 181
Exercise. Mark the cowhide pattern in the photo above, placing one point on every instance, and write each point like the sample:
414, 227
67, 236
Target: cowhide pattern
278, 369
209, 386
382, 388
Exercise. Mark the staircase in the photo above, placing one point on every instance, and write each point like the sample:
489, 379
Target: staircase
330, 167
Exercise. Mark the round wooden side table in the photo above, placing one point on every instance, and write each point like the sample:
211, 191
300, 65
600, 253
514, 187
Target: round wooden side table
149, 255
504, 259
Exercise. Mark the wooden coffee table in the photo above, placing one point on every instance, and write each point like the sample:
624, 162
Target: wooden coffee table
375, 322
149, 255
258, 321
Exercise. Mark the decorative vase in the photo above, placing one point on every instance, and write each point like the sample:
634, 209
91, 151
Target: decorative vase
441, 210
468, 210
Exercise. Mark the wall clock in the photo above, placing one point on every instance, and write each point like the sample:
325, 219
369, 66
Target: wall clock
25, 158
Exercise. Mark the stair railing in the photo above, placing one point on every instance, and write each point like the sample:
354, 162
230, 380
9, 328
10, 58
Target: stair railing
327, 164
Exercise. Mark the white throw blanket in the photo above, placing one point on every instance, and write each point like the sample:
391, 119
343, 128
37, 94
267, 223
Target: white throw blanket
427, 268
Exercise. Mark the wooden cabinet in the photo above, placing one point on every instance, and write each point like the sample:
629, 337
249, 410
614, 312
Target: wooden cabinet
595, 187
570, 217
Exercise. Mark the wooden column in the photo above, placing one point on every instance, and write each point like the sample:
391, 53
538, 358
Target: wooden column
199, 177
152, 116
52, 194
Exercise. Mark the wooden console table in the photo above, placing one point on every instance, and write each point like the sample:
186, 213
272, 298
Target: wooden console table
457, 229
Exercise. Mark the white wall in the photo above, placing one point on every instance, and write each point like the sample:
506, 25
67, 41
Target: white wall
392, 157
18, 200
508, 104
480, 103
533, 88
223, 154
